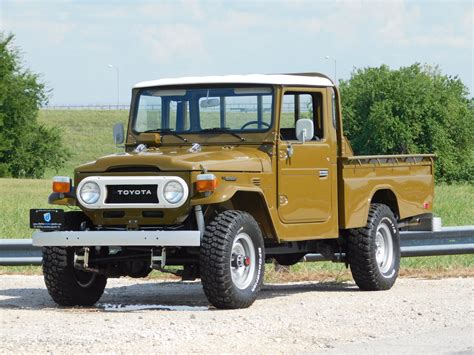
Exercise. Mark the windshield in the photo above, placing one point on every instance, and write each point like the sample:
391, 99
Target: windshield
187, 111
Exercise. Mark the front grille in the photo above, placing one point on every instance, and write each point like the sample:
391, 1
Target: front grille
132, 194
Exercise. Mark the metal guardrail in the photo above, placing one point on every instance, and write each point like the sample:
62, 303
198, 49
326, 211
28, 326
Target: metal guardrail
448, 241
15, 252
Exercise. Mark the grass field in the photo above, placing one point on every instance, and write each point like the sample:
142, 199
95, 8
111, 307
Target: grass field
89, 135
86, 133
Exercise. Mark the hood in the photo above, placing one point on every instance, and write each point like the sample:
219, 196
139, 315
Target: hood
180, 159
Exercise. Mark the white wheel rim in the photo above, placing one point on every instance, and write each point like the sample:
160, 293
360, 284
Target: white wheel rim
384, 246
242, 261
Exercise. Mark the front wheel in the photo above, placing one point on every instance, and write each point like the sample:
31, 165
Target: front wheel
232, 260
373, 252
66, 285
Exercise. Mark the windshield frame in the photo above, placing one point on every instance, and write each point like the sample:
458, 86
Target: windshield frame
257, 133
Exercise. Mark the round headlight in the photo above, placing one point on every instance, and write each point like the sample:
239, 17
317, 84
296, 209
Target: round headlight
173, 192
90, 192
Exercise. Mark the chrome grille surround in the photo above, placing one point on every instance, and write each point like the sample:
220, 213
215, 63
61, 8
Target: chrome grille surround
104, 181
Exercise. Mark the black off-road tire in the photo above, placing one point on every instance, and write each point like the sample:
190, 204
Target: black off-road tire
220, 237
289, 259
369, 274
67, 286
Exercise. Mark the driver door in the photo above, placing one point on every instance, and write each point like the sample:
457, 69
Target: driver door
304, 169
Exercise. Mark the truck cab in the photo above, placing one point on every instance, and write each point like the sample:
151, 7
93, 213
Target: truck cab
221, 174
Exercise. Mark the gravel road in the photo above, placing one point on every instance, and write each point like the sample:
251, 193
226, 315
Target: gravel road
152, 316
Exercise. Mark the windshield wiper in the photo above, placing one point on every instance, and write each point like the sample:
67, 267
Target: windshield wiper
223, 130
166, 130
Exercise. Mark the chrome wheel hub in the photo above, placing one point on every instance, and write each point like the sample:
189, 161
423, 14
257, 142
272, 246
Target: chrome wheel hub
242, 261
384, 246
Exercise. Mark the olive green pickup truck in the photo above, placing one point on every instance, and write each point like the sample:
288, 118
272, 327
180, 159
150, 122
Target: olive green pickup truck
220, 174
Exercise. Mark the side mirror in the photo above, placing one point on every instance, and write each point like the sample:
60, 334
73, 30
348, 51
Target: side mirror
304, 129
119, 136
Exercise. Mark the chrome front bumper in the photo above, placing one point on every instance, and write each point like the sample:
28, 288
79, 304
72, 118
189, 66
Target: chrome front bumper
117, 238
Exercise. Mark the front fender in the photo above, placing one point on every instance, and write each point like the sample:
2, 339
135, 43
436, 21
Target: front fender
222, 194
63, 199
248, 198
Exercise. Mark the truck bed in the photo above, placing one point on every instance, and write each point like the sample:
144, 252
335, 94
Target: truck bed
405, 181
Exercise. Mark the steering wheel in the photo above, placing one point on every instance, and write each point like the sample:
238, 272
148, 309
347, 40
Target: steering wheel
255, 122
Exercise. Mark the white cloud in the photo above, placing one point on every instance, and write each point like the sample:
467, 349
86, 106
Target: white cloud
168, 43
237, 21
52, 33
157, 10
26, 17
169, 11
404, 27
437, 40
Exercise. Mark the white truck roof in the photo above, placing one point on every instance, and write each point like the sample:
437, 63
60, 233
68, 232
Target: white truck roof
268, 79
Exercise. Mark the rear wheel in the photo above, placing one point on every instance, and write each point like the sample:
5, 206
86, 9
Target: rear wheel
373, 252
232, 260
66, 285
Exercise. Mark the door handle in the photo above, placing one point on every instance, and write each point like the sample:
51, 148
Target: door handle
289, 150
323, 173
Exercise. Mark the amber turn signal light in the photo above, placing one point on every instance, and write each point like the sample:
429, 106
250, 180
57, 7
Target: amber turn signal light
206, 182
61, 184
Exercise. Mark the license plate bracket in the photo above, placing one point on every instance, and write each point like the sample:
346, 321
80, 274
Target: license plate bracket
47, 219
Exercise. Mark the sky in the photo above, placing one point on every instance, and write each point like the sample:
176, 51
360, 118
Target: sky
71, 43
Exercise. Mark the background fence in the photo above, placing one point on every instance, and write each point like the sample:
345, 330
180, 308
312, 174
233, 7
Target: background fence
241, 107
124, 107
447, 241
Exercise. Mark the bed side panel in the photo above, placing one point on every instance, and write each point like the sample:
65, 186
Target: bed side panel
411, 181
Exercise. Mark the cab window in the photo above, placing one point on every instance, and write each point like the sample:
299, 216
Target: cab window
297, 105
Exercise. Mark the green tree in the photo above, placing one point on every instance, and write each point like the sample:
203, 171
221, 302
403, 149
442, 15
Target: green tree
414, 109
26, 147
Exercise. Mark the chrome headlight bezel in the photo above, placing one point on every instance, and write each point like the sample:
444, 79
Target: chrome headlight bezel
91, 188
173, 192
